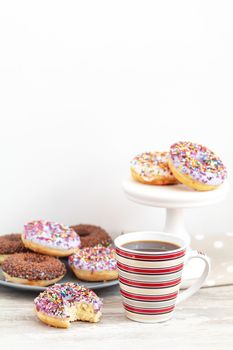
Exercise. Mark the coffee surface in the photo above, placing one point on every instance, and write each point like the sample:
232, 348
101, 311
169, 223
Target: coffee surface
150, 246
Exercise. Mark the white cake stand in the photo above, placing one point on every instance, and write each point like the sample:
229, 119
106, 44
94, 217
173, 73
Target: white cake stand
175, 199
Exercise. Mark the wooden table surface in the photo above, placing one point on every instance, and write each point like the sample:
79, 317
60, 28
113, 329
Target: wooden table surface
205, 321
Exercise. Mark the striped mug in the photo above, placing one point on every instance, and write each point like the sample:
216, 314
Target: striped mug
150, 281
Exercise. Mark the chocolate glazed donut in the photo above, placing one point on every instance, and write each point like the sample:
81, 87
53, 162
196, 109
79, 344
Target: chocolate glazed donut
33, 269
10, 244
91, 235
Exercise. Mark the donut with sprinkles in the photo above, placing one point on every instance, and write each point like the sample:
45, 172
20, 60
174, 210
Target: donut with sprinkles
33, 269
196, 166
94, 264
91, 235
50, 238
61, 304
152, 168
10, 244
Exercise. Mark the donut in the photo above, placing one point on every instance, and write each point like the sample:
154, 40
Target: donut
33, 269
61, 304
196, 166
50, 238
10, 244
151, 168
91, 235
94, 264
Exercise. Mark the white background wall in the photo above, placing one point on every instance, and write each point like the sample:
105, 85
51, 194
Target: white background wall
85, 85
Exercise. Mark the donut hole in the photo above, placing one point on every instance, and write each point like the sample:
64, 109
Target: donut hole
84, 233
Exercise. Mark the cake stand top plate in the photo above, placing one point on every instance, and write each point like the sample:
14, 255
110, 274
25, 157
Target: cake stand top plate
172, 196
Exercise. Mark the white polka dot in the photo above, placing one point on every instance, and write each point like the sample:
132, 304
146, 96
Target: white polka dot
229, 233
199, 237
210, 283
218, 244
230, 268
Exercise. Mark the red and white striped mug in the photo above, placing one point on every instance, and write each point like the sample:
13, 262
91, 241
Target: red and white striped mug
150, 281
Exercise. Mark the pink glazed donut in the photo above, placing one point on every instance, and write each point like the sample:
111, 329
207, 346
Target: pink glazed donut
94, 264
196, 166
61, 304
50, 238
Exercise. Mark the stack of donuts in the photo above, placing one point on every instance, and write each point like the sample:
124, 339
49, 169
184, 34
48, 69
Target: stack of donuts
32, 257
188, 163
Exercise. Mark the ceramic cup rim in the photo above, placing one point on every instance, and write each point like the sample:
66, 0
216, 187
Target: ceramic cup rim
134, 236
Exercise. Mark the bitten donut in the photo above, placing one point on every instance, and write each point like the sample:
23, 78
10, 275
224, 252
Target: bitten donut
196, 166
50, 238
91, 235
152, 168
94, 264
33, 269
10, 244
61, 304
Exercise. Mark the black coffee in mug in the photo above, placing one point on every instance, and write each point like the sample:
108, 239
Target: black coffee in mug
150, 246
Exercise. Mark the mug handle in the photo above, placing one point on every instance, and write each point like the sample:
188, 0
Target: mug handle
194, 254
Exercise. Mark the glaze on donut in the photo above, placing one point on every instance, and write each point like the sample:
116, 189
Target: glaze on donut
33, 269
61, 304
91, 235
50, 238
196, 166
152, 168
94, 264
10, 244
